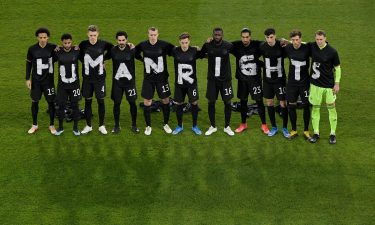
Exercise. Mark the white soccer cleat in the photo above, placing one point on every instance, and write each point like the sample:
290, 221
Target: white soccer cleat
52, 129
33, 129
102, 130
87, 129
211, 130
167, 129
228, 131
148, 130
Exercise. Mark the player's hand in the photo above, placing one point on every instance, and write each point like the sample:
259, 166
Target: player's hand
57, 48
197, 47
76, 47
28, 84
336, 88
209, 39
131, 45
284, 42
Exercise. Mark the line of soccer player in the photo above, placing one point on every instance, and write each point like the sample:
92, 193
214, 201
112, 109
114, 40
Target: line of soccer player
318, 86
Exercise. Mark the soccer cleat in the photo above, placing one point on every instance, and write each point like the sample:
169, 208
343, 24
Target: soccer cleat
242, 127
306, 134
265, 129
210, 130
135, 129
167, 129
196, 130
116, 130
87, 129
285, 132
228, 131
59, 132
52, 129
293, 134
148, 130
76, 133
33, 129
177, 130
314, 138
332, 139
102, 130
273, 132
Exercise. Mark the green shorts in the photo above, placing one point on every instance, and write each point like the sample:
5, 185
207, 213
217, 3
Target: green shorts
317, 94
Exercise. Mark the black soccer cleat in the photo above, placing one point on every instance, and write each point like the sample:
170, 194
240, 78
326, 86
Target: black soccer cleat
314, 138
135, 129
332, 139
116, 130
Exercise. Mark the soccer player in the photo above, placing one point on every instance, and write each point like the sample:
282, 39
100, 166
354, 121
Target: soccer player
186, 81
248, 74
219, 78
68, 84
93, 52
298, 81
325, 83
152, 53
123, 80
39, 77
274, 79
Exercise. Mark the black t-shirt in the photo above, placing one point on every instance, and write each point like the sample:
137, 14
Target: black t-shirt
323, 62
299, 63
68, 68
92, 58
41, 62
248, 65
185, 66
219, 67
154, 59
273, 56
123, 65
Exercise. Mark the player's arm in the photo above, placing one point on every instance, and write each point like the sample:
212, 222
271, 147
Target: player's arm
170, 48
108, 47
336, 87
29, 66
203, 52
81, 52
138, 52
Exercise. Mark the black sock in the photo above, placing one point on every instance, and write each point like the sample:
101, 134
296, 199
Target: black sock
147, 115
306, 116
61, 115
166, 112
243, 110
34, 112
284, 111
101, 111
261, 111
194, 114
133, 113
271, 115
179, 112
76, 115
293, 116
116, 113
88, 111
227, 113
51, 109
211, 113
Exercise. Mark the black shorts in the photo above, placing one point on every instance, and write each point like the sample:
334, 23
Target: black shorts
46, 87
293, 91
118, 91
72, 94
180, 92
89, 87
272, 89
214, 87
162, 88
252, 87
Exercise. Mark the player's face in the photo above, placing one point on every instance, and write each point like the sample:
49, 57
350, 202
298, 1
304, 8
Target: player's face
218, 36
93, 36
184, 43
67, 44
121, 41
42, 39
245, 38
271, 39
153, 36
320, 40
296, 41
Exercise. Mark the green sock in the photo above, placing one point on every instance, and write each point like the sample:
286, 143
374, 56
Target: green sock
315, 118
332, 118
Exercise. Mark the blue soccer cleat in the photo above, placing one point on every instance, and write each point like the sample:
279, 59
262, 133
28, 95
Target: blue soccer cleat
196, 130
177, 130
273, 132
286, 132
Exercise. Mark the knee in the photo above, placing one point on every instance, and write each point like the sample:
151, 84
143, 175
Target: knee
283, 104
147, 102
165, 100
269, 102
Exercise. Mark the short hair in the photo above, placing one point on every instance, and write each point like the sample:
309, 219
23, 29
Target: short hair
294, 33
320, 33
246, 30
42, 30
121, 33
93, 28
184, 35
269, 31
66, 37
153, 29
218, 29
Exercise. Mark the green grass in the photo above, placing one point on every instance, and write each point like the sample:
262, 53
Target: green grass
163, 179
